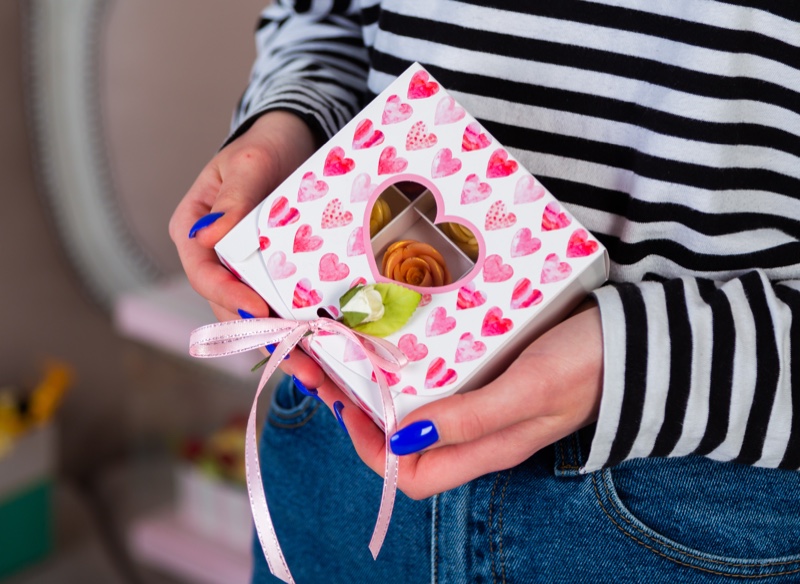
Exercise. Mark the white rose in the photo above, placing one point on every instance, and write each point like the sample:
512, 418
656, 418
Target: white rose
366, 301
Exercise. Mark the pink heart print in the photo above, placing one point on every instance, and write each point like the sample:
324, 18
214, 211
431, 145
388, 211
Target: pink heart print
281, 213
357, 282
278, 267
554, 218
355, 243
333, 216
411, 348
527, 190
305, 295
418, 137
444, 164
311, 188
525, 295
523, 243
395, 111
304, 241
390, 163
494, 324
499, 165
366, 136
362, 188
448, 111
494, 270
391, 378
498, 218
474, 190
554, 270
579, 245
439, 323
331, 269
263, 242
474, 138
336, 163
409, 390
439, 374
421, 87
469, 297
353, 352
425, 300
468, 349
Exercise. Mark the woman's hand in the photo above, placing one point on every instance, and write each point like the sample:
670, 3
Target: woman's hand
550, 391
239, 177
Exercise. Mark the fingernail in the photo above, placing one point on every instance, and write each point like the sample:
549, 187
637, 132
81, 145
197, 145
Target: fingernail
204, 221
414, 438
245, 314
303, 389
337, 411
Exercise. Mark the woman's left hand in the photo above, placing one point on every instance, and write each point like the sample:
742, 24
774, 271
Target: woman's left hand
551, 390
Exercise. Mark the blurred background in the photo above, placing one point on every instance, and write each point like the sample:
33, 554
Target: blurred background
119, 456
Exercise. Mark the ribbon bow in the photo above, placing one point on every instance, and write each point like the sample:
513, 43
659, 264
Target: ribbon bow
228, 338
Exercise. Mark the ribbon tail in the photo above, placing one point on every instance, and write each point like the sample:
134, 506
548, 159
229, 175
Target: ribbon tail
390, 469
255, 485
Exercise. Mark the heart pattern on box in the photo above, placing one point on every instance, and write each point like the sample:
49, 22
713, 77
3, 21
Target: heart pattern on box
311, 188
529, 244
367, 136
448, 111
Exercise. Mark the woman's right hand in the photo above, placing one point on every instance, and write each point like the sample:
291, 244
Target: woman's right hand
237, 179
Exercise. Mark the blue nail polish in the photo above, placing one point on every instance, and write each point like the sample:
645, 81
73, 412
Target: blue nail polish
245, 314
337, 411
414, 438
204, 221
303, 389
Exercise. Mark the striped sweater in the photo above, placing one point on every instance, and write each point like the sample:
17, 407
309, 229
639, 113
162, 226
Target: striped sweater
670, 128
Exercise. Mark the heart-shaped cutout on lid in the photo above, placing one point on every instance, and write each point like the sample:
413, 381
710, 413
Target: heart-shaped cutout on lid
415, 242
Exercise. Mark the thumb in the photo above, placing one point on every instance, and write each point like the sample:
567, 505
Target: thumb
466, 417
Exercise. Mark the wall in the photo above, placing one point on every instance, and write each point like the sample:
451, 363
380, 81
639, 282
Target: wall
167, 95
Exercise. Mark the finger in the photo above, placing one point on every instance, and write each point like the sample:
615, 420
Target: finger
438, 470
465, 417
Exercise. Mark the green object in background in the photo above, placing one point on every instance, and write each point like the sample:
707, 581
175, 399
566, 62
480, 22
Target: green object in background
26, 527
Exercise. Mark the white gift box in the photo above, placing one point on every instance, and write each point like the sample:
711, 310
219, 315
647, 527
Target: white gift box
309, 242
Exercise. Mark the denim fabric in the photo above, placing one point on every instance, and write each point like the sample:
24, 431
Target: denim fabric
688, 520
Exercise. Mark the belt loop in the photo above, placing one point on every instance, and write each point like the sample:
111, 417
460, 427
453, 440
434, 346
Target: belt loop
568, 459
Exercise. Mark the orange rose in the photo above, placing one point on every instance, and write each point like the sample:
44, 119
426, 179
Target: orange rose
415, 263
463, 238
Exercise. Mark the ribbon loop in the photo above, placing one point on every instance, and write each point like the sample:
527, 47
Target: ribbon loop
227, 338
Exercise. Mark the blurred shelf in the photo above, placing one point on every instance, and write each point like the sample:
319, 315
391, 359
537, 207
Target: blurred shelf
79, 554
140, 499
162, 541
164, 316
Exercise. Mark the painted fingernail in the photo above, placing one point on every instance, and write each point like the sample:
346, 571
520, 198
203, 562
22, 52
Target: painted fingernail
204, 221
337, 411
245, 314
414, 438
303, 389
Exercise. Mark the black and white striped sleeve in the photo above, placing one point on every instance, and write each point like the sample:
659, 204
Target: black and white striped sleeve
694, 366
311, 60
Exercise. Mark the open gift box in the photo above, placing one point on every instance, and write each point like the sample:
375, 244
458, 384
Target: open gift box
518, 261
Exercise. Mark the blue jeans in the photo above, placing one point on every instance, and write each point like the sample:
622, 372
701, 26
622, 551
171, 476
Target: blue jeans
686, 520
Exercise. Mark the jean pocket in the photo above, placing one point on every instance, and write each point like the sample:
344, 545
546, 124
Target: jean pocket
289, 408
721, 518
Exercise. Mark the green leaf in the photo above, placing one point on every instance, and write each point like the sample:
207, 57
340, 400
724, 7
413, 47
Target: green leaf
352, 319
348, 295
399, 303
259, 365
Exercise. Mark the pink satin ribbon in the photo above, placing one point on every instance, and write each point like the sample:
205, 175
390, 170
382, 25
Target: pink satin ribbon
227, 338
